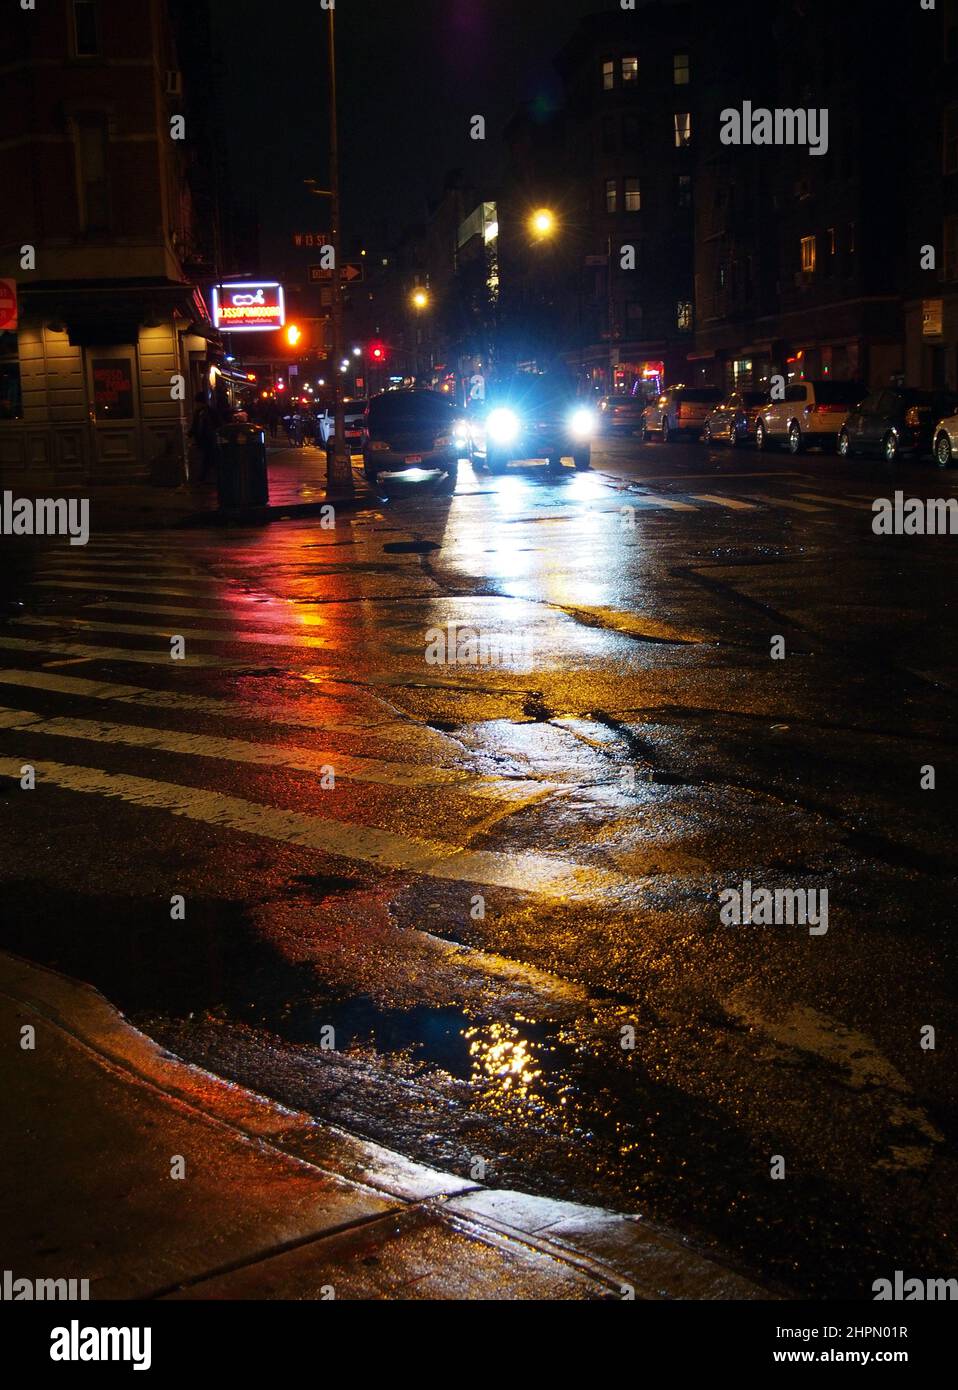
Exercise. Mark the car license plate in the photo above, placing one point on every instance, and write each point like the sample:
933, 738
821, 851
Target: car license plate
414, 458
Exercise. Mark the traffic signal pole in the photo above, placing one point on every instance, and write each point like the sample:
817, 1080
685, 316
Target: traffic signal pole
339, 469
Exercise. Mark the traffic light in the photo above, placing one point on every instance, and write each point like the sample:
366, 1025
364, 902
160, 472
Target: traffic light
293, 335
377, 353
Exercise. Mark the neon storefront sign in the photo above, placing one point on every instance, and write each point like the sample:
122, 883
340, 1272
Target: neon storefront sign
252, 306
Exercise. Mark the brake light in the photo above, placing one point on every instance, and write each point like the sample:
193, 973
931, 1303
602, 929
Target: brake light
827, 409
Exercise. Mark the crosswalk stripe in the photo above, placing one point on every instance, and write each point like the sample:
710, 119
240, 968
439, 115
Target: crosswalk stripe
527, 873
108, 586
404, 732
256, 613
307, 760
834, 501
196, 634
788, 503
654, 501
733, 503
87, 652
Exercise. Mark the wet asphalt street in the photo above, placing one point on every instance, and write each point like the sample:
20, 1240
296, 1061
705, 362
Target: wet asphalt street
472, 910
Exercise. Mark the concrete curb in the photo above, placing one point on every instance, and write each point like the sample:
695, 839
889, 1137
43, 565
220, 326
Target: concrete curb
598, 1253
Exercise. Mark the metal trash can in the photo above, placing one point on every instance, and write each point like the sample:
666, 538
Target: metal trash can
242, 479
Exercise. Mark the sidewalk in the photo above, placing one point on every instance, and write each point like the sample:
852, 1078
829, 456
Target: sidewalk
274, 1204
297, 486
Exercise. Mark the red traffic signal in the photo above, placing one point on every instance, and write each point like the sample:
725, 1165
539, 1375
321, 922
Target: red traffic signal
377, 352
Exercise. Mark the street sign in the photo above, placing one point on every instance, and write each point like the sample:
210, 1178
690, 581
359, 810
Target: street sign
8, 305
250, 307
310, 238
349, 274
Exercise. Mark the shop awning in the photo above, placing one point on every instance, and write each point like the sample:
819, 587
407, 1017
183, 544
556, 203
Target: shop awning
101, 313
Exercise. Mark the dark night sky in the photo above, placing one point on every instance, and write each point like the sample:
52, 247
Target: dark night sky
411, 73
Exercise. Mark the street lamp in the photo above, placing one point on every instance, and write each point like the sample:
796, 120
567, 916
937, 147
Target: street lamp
542, 223
420, 299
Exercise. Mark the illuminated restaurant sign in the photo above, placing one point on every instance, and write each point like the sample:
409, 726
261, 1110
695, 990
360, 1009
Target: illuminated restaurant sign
249, 307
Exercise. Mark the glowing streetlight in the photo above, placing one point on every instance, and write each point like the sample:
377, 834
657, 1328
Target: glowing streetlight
420, 299
542, 222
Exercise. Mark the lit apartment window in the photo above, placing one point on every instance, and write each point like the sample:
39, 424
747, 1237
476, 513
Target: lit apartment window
630, 69
608, 76
951, 141
633, 195
683, 191
85, 42
680, 69
611, 195
683, 129
683, 315
808, 253
11, 403
950, 241
92, 166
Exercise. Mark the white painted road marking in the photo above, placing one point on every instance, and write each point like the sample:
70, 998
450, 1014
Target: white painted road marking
389, 729
356, 769
196, 634
731, 502
525, 873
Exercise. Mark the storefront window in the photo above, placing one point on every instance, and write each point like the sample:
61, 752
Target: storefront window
11, 400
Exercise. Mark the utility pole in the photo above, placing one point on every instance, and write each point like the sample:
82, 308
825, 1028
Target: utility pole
339, 469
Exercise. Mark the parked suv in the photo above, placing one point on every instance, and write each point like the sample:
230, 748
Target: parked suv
898, 420
679, 410
734, 418
812, 412
353, 412
946, 441
413, 435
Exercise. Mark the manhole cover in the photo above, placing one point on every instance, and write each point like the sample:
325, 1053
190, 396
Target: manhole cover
410, 547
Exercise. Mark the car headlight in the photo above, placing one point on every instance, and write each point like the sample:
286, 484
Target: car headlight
502, 425
582, 423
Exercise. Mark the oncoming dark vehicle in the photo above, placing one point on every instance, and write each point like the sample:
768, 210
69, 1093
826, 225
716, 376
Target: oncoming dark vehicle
534, 415
413, 436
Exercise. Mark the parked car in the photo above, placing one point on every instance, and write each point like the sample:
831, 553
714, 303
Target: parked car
946, 441
534, 415
621, 414
679, 410
734, 419
812, 412
898, 420
353, 412
413, 435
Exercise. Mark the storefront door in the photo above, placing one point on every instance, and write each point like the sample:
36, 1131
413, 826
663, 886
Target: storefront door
113, 391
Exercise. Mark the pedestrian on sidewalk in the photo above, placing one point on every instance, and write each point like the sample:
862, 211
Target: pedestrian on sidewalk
202, 432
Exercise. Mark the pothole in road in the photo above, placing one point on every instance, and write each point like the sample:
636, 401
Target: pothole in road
410, 547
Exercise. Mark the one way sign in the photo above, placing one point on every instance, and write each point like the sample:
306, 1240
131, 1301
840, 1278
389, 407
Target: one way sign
349, 274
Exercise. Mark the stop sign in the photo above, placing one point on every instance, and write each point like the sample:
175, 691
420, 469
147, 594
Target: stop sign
8, 305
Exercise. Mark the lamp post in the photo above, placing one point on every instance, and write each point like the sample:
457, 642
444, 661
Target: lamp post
339, 468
